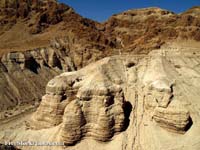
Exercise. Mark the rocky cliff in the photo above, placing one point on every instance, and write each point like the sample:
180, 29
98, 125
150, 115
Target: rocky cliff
90, 100
41, 39
24, 74
143, 29
121, 102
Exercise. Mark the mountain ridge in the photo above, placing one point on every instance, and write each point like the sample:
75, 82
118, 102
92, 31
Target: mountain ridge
139, 30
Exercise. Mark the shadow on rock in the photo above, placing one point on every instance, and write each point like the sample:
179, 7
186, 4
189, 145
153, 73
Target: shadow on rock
127, 111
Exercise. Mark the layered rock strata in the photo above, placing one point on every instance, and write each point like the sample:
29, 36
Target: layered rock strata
92, 102
89, 102
160, 82
174, 119
25, 74
32, 24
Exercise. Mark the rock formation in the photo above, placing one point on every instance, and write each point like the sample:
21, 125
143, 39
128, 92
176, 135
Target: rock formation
25, 74
116, 92
30, 25
93, 102
121, 102
173, 118
89, 102
160, 94
144, 29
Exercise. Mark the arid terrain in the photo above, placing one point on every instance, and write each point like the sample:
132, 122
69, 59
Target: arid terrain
129, 83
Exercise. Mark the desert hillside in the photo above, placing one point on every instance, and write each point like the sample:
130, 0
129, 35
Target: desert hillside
129, 83
40, 39
125, 102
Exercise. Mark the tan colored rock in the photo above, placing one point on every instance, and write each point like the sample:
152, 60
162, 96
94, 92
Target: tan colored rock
94, 101
154, 102
51, 111
25, 74
72, 128
174, 119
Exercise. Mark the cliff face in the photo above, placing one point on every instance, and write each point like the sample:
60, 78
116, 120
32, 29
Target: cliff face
93, 102
46, 21
120, 102
137, 98
23, 75
40, 39
143, 29
11, 10
87, 101
46, 12
32, 31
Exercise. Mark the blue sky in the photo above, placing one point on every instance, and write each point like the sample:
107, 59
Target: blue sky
101, 10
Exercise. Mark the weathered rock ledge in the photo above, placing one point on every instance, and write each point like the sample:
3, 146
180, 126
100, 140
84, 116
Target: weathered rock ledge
92, 102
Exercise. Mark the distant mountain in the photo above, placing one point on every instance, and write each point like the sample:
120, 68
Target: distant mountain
145, 29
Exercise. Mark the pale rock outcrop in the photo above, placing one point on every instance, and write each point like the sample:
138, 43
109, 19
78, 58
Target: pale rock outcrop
89, 102
160, 81
50, 112
175, 119
121, 102
92, 102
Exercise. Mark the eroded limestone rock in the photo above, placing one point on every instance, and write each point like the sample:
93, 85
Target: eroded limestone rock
92, 102
175, 119
159, 94
89, 102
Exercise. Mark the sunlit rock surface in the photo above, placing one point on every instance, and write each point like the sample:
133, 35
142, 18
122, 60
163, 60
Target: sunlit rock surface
124, 100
